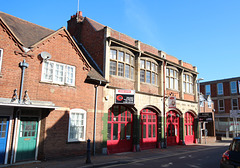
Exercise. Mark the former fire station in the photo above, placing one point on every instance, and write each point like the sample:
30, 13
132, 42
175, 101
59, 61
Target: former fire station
61, 88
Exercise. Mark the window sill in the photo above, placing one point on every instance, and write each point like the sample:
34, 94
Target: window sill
74, 142
172, 90
51, 83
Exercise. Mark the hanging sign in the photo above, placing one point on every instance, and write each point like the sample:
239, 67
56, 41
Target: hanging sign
234, 113
172, 102
204, 117
124, 96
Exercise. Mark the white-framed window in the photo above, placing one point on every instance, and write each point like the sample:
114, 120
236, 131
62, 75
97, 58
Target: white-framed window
207, 90
148, 71
187, 83
235, 104
220, 88
121, 63
1, 55
58, 73
233, 86
77, 125
171, 78
221, 105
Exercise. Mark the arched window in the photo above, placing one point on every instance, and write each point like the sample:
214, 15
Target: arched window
122, 63
172, 78
148, 71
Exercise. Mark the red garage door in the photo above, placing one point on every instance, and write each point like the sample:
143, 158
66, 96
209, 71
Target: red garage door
148, 129
119, 129
189, 129
172, 128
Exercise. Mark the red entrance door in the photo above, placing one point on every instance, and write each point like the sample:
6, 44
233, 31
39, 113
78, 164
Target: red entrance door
172, 128
119, 129
148, 129
189, 128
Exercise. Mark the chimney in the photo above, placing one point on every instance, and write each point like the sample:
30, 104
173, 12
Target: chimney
79, 16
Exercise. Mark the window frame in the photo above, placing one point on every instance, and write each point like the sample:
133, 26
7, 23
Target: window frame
188, 84
1, 56
233, 90
232, 104
220, 89
150, 69
79, 111
126, 59
208, 93
219, 107
64, 75
174, 78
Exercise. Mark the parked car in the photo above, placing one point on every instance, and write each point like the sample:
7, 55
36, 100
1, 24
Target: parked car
231, 158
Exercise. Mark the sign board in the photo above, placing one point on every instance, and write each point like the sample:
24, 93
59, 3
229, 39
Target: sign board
124, 96
171, 102
206, 117
234, 113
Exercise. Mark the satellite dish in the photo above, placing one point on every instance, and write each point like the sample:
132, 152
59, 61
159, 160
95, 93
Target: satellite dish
45, 55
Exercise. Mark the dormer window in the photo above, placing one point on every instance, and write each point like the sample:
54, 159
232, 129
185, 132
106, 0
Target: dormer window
121, 63
148, 71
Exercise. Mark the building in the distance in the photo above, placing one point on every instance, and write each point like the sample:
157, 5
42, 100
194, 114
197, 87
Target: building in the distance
225, 94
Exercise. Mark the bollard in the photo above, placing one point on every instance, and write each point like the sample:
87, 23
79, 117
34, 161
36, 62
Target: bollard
88, 160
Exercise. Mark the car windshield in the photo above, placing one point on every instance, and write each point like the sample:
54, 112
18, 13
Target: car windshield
235, 146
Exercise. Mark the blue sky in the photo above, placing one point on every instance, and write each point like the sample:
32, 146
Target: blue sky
205, 33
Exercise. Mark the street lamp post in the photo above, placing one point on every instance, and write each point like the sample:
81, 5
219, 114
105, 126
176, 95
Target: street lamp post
198, 92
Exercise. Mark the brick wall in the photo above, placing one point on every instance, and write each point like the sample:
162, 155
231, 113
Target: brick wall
54, 125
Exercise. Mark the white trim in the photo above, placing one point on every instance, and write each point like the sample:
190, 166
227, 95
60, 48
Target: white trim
223, 105
231, 87
15, 140
8, 138
38, 136
53, 73
84, 123
27, 105
218, 89
1, 55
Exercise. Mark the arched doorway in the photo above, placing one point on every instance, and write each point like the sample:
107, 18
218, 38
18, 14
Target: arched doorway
189, 128
119, 129
172, 126
148, 123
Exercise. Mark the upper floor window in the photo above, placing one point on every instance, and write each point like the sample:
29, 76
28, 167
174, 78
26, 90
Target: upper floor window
58, 73
121, 64
1, 55
148, 71
171, 78
233, 85
221, 105
220, 89
77, 125
234, 104
187, 83
207, 90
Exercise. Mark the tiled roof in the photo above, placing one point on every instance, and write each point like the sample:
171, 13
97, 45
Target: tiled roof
95, 24
28, 33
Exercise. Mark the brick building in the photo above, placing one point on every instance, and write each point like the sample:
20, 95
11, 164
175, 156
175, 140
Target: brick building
225, 95
146, 77
47, 94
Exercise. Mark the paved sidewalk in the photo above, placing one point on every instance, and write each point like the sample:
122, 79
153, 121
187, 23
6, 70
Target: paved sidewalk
120, 158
